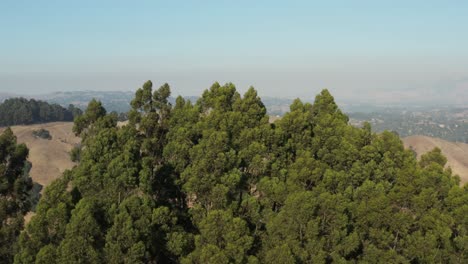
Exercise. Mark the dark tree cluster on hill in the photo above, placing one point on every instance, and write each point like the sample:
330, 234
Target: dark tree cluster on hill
20, 111
215, 182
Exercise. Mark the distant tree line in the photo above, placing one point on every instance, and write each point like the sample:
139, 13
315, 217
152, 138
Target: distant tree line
21, 111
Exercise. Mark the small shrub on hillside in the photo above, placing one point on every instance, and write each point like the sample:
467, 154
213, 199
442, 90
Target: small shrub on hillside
42, 133
75, 154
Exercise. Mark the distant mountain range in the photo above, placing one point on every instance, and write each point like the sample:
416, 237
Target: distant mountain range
449, 122
4, 96
119, 101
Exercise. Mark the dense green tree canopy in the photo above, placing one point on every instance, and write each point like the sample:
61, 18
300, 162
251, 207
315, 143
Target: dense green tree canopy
213, 181
15, 192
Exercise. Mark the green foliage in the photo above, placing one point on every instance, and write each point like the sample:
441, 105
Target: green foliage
94, 112
83, 238
20, 111
222, 239
15, 193
215, 182
434, 156
75, 154
42, 133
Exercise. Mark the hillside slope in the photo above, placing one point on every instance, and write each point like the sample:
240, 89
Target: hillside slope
456, 153
49, 158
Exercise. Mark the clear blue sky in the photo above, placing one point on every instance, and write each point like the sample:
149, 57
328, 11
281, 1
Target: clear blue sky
368, 49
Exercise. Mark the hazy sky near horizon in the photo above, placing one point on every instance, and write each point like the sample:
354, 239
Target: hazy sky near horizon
377, 51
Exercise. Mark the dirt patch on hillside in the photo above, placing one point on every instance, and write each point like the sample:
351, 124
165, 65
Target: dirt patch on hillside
455, 152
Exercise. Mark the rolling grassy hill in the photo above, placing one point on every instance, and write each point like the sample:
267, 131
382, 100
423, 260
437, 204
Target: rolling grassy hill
456, 153
49, 158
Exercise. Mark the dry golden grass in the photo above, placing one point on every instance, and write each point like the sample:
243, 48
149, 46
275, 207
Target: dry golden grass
456, 153
49, 158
